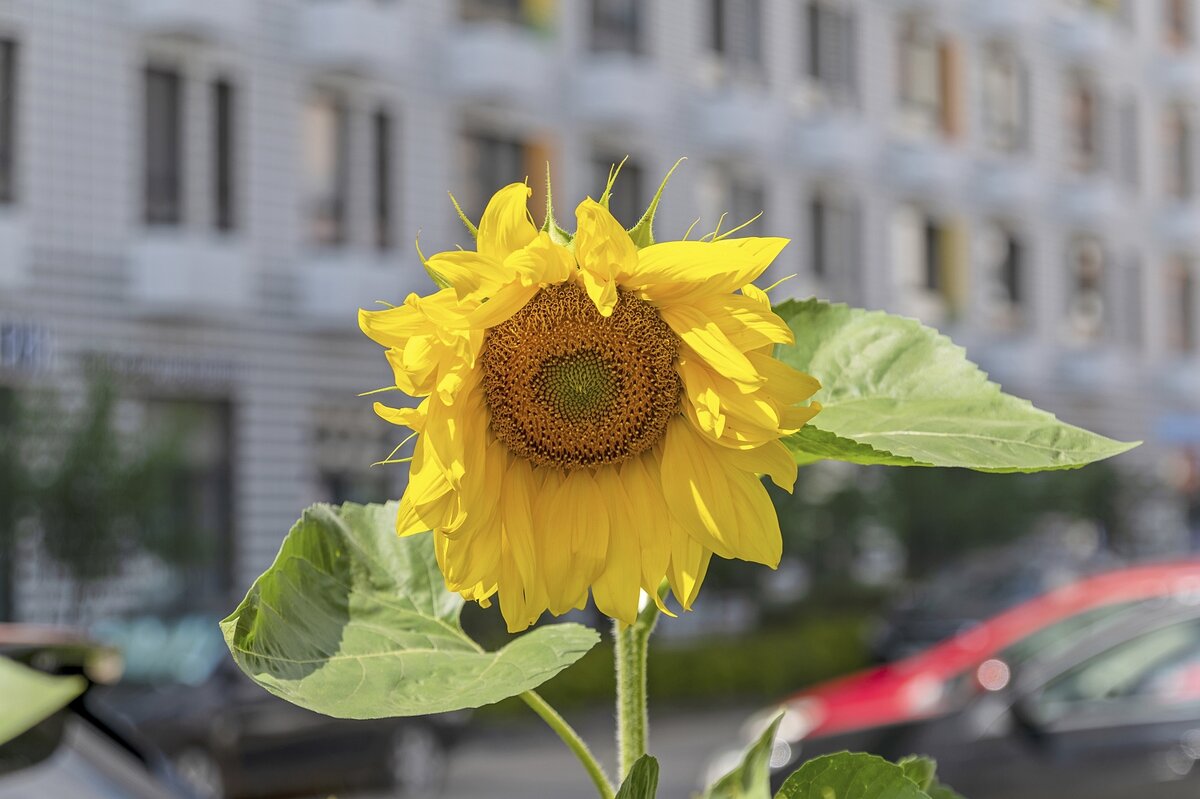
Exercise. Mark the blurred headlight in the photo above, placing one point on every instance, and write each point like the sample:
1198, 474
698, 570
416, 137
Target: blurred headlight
799, 719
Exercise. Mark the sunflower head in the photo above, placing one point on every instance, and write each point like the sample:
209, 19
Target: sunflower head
595, 409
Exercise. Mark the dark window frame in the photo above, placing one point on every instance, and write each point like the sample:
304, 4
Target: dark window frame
224, 109
382, 200
163, 152
9, 66
332, 212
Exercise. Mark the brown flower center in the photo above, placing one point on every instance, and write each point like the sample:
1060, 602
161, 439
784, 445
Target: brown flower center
569, 388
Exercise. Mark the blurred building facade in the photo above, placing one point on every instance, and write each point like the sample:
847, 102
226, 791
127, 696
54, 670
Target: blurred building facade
199, 195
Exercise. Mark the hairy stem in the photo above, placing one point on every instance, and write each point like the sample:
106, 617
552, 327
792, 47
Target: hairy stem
572, 740
631, 644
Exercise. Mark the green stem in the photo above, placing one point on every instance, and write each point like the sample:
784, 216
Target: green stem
631, 644
573, 742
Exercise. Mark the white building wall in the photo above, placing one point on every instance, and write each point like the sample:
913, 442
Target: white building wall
72, 261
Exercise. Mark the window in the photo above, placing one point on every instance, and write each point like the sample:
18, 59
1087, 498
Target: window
1083, 145
191, 527
926, 73
1131, 172
747, 199
1114, 9
1177, 23
1003, 257
1160, 668
616, 26
1004, 100
626, 202
1181, 279
8, 115
832, 50
1085, 303
163, 151
833, 238
1057, 638
381, 131
489, 162
735, 34
495, 10
1131, 302
918, 245
341, 435
325, 168
1177, 156
223, 143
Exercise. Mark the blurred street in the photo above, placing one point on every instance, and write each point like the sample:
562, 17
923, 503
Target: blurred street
497, 760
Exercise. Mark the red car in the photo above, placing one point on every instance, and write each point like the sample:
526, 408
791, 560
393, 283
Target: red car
1094, 685
918, 686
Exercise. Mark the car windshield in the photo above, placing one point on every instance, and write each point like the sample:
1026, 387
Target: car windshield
157, 651
1160, 667
1058, 637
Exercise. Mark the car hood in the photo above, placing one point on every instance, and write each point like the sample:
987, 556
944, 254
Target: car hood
888, 694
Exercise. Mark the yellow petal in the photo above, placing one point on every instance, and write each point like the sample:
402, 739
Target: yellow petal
724, 508
601, 291
541, 262
506, 226
640, 477
412, 418
707, 341
618, 587
502, 305
469, 273
744, 321
516, 502
772, 459
682, 271
604, 251
689, 565
784, 383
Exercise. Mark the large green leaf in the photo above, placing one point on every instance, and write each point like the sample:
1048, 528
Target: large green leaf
355, 622
751, 778
642, 782
849, 776
29, 697
896, 392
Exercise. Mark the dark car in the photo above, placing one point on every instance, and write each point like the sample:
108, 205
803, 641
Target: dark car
228, 737
67, 752
1092, 690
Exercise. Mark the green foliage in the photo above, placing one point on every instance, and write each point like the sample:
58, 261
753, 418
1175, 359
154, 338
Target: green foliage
848, 775
751, 778
910, 395
28, 697
770, 664
642, 782
95, 493
355, 622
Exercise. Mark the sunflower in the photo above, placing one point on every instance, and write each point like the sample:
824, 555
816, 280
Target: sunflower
595, 414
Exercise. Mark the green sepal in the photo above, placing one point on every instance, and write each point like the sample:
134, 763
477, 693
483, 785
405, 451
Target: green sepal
642, 782
551, 226
643, 232
474, 231
434, 275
